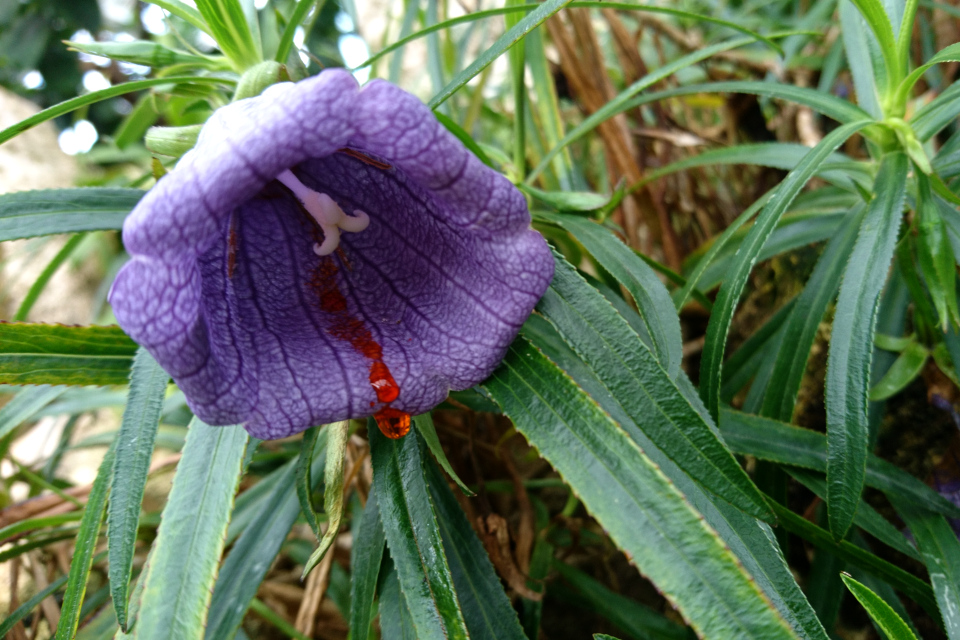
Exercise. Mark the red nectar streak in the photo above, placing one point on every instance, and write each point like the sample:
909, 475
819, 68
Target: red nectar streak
392, 422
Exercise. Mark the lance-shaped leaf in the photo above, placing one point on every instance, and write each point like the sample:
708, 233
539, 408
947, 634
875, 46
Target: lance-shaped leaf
56, 354
711, 366
191, 536
641, 510
941, 553
936, 255
652, 298
631, 373
880, 612
26, 214
332, 490
138, 431
83, 550
255, 550
365, 558
752, 541
486, 608
851, 344
772, 440
801, 328
413, 537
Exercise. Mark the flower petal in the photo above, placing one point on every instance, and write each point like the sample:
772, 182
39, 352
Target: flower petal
225, 290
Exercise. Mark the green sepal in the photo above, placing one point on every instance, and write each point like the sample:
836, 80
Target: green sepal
172, 141
258, 77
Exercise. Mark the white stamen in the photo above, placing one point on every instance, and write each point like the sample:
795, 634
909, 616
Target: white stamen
326, 212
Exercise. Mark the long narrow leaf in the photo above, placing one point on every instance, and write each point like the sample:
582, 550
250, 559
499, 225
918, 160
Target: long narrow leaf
851, 344
652, 298
880, 612
83, 550
365, 558
526, 24
486, 608
55, 354
254, 551
632, 500
26, 214
801, 329
25, 405
141, 419
711, 366
772, 440
190, 539
752, 541
413, 537
104, 94
941, 553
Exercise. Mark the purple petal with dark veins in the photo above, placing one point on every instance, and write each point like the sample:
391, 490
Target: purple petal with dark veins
225, 290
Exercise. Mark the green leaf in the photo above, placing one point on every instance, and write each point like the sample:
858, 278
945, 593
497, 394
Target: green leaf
876, 17
829, 105
104, 94
365, 558
463, 137
228, 26
881, 613
792, 232
44, 278
489, 13
57, 354
637, 620
191, 536
851, 344
141, 419
516, 33
184, 12
486, 608
25, 404
84, 547
744, 364
947, 54
800, 330
569, 200
937, 263
772, 440
641, 510
937, 114
253, 553
941, 553
300, 11
304, 480
630, 372
144, 52
651, 297
711, 367
750, 540
27, 214
394, 612
903, 371
866, 518
337, 434
413, 536
911, 586
424, 425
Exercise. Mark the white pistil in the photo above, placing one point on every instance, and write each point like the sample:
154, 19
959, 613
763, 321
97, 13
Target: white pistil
326, 212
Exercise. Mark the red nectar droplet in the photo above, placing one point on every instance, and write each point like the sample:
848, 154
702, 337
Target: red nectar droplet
393, 423
382, 382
